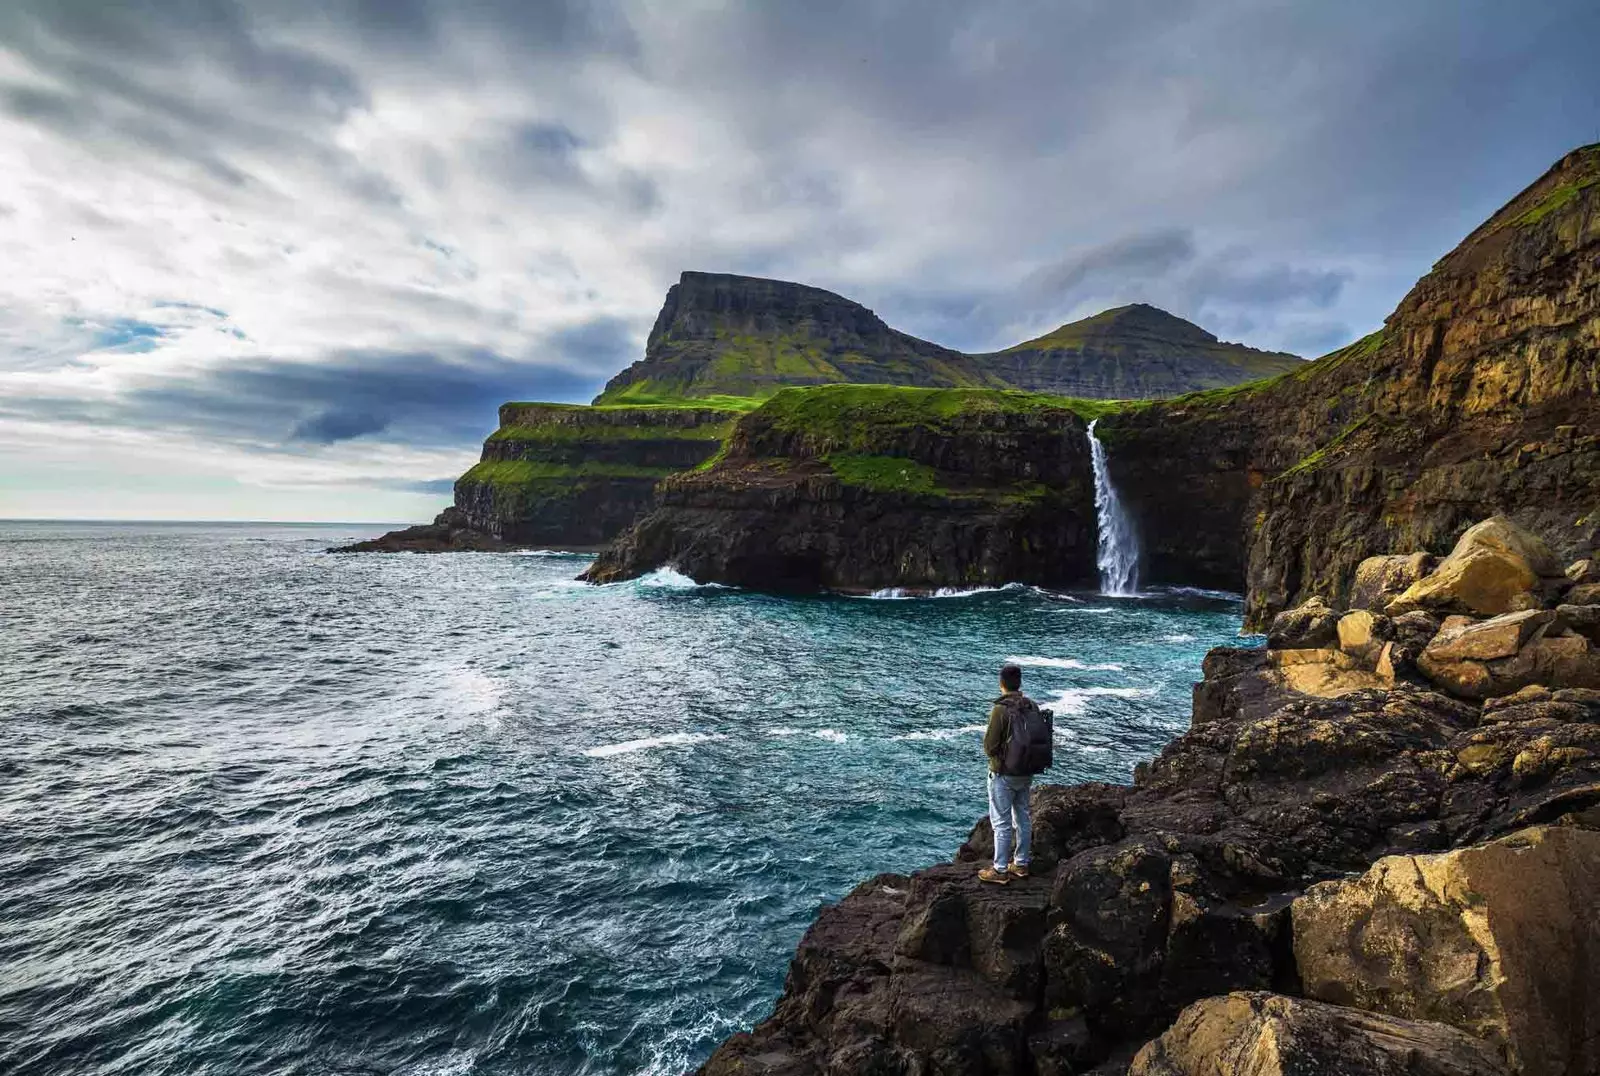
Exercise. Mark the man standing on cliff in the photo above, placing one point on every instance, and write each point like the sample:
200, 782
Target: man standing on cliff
1018, 743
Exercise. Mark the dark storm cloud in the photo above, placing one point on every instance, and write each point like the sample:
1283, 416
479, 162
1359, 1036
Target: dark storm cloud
976, 173
415, 399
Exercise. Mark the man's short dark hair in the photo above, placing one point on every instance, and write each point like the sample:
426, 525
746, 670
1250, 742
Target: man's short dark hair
1011, 677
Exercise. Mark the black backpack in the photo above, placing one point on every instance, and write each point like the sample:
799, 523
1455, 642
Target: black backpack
1030, 740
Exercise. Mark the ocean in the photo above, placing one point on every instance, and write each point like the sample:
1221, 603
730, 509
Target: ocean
265, 809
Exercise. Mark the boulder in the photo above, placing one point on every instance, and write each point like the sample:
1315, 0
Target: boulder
1325, 673
1380, 580
1586, 570
1362, 634
1484, 640
1497, 939
1496, 567
1259, 1034
1583, 594
1582, 619
1307, 626
1498, 656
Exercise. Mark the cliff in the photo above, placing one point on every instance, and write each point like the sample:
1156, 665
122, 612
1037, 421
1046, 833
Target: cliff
565, 476
1348, 865
856, 487
1479, 394
1132, 352
723, 335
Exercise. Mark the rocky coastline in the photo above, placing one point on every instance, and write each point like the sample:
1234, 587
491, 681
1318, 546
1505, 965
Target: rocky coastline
1374, 851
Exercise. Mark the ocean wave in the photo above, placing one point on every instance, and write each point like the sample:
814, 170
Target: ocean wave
561, 553
1075, 700
1183, 637
940, 734
669, 578
831, 735
910, 593
1197, 592
671, 739
1064, 663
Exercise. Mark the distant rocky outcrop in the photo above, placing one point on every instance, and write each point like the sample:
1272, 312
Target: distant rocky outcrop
565, 476
858, 487
1354, 871
1132, 352
725, 335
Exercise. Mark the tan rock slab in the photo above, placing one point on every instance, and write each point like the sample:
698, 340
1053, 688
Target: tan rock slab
1485, 640
1260, 1034
1325, 673
1499, 940
1379, 580
1361, 633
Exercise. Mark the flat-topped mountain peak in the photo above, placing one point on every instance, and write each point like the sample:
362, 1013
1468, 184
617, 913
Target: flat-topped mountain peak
723, 334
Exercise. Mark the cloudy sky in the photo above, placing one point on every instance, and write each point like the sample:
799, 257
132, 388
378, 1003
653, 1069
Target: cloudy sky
282, 260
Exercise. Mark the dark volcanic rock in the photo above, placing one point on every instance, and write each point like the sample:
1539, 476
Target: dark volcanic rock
1146, 900
448, 533
867, 487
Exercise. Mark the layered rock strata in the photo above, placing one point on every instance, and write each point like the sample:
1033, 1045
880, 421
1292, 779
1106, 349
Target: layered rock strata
565, 476
858, 488
1214, 917
1480, 394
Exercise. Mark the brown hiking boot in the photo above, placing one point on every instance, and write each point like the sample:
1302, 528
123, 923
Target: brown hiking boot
989, 874
1018, 870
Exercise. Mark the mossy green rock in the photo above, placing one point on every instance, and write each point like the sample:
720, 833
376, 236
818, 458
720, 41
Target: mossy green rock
856, 487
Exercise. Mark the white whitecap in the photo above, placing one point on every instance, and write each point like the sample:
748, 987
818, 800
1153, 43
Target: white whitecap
831, 735
1184, 637
1075, 700
941, 734
669, 578
1063, 663
671, 739
783, 730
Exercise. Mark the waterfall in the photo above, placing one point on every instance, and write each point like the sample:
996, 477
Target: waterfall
1118, 554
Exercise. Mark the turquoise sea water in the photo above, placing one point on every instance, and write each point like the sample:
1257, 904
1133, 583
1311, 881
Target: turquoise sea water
269, 810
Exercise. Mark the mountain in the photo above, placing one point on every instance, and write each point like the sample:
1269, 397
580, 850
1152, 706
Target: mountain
724, 335
1132, 352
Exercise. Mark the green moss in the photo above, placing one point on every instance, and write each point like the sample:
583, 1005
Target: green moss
563, 433
501, 473
889, 474
644, 400
1315, 459
852, 418
1555, 200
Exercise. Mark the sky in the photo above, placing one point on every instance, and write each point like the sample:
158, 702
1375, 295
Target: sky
283, 260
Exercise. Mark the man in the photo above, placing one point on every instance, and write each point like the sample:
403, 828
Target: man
1008, 792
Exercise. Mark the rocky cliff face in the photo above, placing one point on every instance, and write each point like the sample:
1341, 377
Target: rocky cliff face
1129, 353
1481, 393
719, 334
728, 335
1213, 919
865, 487
565, 476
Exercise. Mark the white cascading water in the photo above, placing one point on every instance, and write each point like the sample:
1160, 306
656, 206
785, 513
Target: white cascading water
1118, 554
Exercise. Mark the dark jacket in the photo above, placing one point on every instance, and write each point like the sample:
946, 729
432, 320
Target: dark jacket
998, 733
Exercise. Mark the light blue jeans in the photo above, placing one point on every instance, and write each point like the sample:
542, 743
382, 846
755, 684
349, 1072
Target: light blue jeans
1008, 800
